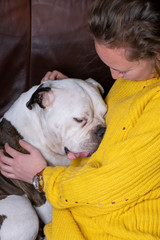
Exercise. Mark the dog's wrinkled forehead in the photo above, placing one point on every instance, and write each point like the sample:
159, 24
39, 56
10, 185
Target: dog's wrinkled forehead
43, 98
82, 88
74, 83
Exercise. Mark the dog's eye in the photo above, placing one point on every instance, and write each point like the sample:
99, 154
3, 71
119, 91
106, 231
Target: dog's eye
79, 120
83, 121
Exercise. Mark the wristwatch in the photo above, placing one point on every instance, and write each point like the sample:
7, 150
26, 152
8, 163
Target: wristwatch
38, 182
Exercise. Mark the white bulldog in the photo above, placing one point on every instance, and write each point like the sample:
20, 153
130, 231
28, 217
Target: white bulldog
64, 119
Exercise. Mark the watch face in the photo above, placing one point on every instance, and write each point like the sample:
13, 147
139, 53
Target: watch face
36, 182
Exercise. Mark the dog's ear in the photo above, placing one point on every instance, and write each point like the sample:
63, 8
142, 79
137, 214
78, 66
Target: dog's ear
41, 96
96, 84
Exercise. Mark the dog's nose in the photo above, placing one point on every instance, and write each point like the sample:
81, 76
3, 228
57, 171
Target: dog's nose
100, 132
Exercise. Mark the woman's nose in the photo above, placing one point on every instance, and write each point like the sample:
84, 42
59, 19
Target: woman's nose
116, 74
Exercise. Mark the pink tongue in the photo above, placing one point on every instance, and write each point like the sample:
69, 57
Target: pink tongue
72, 156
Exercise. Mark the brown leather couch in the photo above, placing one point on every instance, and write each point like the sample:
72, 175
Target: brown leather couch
37, 36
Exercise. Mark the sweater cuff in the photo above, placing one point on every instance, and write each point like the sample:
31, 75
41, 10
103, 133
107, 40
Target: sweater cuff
50, 175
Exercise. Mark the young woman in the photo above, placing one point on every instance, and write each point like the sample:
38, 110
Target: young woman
114, 194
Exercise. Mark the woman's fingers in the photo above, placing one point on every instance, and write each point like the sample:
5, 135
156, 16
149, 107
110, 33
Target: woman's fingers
6, 165
11, 151
6, 168
46, 77
55, 75
8, 174
4, 159
27, 146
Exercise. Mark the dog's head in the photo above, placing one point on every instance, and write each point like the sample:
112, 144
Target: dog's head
71, 112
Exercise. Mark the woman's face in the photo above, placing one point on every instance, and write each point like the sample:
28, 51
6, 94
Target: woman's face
120, 67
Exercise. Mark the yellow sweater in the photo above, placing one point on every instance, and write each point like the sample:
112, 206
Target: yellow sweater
115, 194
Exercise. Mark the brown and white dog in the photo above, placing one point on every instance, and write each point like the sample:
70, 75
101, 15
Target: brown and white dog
64, 119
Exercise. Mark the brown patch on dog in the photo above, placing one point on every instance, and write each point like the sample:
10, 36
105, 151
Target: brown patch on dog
2, 218
9, 134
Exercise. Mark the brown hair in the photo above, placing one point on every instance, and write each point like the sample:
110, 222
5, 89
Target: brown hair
132, 24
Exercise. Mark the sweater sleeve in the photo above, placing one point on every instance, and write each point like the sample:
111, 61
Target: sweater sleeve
117, 174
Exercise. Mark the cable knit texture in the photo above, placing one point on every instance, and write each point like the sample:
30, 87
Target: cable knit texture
115, 194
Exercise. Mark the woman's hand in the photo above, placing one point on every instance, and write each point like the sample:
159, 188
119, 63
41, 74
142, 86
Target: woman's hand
21, 166
55, 75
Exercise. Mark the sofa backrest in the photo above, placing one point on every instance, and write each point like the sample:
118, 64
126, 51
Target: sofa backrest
37, 36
